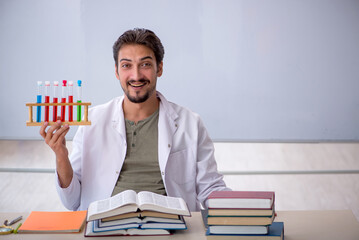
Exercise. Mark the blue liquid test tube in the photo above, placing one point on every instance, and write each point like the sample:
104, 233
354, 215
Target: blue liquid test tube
38, 100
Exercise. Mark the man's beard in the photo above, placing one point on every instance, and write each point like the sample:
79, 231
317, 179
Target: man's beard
137, 98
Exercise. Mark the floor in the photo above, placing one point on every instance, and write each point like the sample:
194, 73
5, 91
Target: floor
304, 176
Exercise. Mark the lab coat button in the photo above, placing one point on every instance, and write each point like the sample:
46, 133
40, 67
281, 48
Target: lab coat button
163, 173
169, 145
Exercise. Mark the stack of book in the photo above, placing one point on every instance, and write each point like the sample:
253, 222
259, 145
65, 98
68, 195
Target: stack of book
129, 213
242, 215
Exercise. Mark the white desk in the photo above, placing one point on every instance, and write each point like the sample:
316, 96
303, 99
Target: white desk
298, 225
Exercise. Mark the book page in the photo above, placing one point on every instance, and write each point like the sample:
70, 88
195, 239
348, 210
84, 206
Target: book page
160, 200
121, 199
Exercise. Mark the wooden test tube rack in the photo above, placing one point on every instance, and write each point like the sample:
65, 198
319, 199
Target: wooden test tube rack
85, 121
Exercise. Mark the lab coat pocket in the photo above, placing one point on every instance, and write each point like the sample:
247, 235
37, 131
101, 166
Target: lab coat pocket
181, 166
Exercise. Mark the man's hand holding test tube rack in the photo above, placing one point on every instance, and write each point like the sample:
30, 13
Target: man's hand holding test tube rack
55, 105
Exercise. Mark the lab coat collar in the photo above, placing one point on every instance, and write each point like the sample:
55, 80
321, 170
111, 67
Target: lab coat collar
166, 107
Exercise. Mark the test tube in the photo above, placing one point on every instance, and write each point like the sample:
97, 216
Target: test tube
55, 100
38, 100
47, 100
71, 99
79, 97
63, 100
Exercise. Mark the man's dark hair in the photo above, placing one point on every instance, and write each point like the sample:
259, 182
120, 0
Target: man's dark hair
143, 37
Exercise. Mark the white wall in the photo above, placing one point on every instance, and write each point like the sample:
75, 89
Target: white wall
254, 70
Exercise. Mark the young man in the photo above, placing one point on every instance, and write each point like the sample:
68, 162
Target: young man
138, 141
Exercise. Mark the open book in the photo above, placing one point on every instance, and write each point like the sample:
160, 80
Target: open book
140, 214
129, 201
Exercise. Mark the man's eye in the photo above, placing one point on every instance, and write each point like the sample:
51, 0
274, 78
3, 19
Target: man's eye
146, 64
125, 65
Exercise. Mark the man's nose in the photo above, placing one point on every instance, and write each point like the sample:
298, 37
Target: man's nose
136, 74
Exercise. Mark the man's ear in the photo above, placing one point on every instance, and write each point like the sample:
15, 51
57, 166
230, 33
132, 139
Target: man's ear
160, 69
117, 75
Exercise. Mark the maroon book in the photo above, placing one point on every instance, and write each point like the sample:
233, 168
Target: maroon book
241, 199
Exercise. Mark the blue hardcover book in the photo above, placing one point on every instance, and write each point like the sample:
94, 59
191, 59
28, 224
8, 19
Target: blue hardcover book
275, 232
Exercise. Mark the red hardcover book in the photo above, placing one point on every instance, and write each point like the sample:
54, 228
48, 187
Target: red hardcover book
241, 199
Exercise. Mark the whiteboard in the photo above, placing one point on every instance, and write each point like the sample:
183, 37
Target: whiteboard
277, 71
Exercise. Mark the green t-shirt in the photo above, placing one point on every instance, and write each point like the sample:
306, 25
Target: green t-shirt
140, 170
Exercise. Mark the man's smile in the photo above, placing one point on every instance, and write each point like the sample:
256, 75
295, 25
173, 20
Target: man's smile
138, 84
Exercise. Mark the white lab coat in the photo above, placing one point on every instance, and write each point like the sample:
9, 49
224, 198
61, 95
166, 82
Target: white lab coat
185, 152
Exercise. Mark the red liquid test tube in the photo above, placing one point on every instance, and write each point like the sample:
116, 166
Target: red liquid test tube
71, 99
47, 100
54, 100
63, 100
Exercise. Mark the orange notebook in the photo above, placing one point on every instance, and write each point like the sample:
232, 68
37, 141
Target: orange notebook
53, 222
